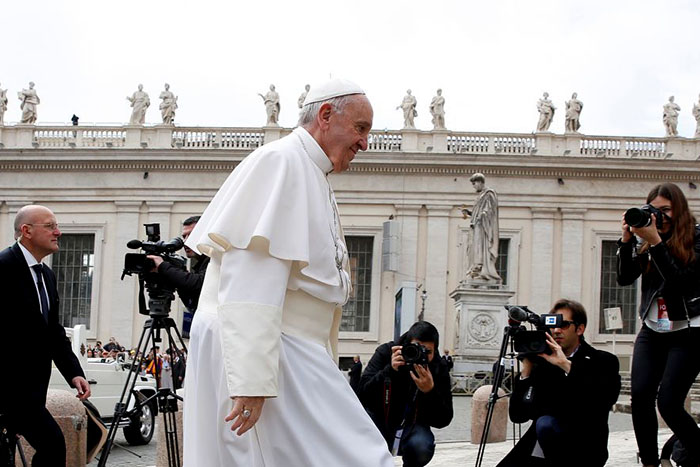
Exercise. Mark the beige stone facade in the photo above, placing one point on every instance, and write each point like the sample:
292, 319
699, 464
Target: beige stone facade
561, 197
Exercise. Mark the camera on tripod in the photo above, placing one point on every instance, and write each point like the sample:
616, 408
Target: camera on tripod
160, 292
528, 343
641, 217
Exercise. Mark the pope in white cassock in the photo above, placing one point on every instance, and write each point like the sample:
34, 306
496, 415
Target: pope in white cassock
262, 389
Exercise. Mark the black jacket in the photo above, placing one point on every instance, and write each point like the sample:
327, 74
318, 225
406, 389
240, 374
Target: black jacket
187, 283
28, 344
677, 283
431, 409
580, 400
355, 373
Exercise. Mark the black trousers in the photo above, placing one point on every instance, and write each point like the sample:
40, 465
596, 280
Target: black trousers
43, 433
417, 446
664, 364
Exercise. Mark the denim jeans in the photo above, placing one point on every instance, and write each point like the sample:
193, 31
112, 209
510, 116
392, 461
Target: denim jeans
417, 446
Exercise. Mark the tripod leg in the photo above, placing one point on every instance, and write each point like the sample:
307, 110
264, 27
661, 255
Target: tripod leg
121, 406
493, 397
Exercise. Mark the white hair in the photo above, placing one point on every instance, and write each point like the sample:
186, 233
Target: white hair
309, 112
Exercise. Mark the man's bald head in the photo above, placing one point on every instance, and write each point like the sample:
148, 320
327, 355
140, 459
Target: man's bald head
37, 229
28, 215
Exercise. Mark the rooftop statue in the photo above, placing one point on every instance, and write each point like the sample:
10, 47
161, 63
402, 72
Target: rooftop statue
272, 106
546, 110
3, 105
302, 97
30, 100
573, 113
671, 110
168, 105
139, 104
408, 105
437, 110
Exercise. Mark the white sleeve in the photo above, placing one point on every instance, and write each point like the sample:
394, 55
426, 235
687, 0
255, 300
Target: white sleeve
252, 287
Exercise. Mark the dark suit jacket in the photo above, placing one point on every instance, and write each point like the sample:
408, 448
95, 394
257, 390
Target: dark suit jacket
27, 343
581, 400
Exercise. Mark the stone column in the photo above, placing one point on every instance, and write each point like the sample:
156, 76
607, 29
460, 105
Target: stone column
572, 252
542, 258
407, 216
123, 309
159, 212
436, 274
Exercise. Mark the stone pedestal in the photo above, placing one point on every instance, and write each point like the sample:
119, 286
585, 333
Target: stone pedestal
481, 319
499, 420
440, 140
409, 140
71, 417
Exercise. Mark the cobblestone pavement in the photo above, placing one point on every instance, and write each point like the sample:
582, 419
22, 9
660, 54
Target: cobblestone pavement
453, 449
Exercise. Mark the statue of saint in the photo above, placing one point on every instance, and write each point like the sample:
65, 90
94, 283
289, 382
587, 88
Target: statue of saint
30, 100
482, 249
671, 110
272, 105
696, 114
139, 104
408, 105
573, 113
302, 96
3, 105
168, 105
437, 110
546, 110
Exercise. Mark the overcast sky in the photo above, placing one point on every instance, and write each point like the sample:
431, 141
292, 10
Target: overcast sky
493, 59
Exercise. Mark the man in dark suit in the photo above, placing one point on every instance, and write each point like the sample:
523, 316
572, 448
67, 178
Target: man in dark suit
355, 373
567, 394
30, 315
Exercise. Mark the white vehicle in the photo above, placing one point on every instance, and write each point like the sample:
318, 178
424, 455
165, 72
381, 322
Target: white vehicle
107, 379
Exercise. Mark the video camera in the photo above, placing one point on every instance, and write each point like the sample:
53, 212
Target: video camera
160, 292
528, 343
641, 217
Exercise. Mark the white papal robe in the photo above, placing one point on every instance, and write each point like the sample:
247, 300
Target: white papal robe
268, 319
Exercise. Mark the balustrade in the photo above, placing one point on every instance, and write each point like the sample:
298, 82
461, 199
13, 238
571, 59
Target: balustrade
248, 139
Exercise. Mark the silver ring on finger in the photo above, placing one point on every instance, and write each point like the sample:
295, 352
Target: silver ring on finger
246, 413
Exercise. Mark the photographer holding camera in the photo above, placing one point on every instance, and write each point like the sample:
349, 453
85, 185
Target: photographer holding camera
665, 358
567, 393
405, 388
187, 283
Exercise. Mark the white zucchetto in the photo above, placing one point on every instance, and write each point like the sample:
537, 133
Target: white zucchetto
334, 88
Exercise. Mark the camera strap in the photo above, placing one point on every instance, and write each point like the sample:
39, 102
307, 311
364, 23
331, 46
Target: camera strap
399, 432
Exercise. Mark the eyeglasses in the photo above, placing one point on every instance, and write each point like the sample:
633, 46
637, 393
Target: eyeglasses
49, 225
565, 324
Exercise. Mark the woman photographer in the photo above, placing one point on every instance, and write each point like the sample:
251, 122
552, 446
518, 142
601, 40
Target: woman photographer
666, 350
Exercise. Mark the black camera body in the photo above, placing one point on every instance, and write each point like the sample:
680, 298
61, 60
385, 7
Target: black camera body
414, 354
641, 217
160, 292
528, 343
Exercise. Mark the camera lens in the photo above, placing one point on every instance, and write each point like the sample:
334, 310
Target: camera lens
637, 217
